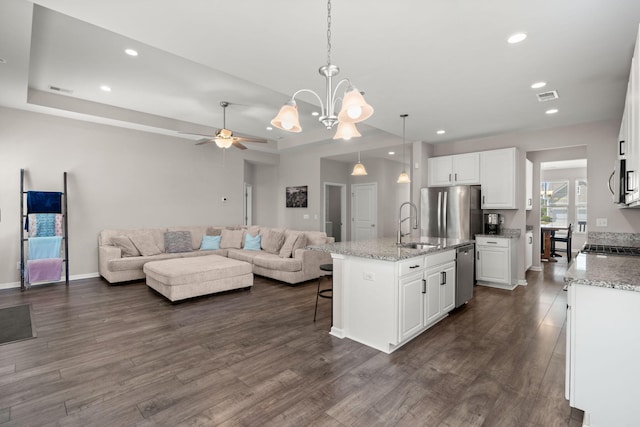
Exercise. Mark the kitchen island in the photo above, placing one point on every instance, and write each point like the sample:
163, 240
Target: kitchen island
603, 349
384, 295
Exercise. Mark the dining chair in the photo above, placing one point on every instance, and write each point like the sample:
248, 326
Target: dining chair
562, 237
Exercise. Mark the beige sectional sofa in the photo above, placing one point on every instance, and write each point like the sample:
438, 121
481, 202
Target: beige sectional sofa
120, 262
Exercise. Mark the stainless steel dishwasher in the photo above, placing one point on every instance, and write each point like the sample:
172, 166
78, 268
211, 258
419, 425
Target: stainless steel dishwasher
465, 273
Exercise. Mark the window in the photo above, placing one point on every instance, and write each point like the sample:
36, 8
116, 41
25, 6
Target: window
554, 203
581, 206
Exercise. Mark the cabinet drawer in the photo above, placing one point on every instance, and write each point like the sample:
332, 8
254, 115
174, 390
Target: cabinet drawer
492, 241
440, 258
411, 265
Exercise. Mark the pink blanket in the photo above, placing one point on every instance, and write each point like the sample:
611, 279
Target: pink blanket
47, 269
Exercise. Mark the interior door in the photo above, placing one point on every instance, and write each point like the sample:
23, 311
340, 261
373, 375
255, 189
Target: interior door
364, 211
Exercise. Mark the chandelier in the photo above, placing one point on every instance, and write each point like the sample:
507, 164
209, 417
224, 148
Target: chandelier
354, 108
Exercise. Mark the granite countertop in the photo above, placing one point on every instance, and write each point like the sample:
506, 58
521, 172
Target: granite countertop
617, 272
386, 249
505, 233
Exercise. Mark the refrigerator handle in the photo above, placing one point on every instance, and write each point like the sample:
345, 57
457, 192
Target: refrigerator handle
439, 212
444, 216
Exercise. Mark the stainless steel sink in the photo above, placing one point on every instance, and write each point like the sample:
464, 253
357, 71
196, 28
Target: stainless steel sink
418, 245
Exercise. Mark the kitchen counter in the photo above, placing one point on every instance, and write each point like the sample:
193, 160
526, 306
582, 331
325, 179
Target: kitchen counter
617, 272
506, 233
385, 249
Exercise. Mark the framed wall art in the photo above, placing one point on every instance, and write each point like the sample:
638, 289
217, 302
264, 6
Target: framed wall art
297, 197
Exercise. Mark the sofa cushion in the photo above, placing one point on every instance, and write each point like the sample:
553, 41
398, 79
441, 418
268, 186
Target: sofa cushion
289, 241
145, 244
273, 240
316, 237
104, 238
251, 243
274, 262
126, 246
231, 239
210, 243
243, 254
178, 241
135, 263
301, 243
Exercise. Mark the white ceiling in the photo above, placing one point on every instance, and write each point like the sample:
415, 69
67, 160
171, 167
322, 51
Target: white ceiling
445, 63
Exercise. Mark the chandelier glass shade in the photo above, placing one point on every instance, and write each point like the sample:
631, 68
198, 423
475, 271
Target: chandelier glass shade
346, 131
354, 108
358, 168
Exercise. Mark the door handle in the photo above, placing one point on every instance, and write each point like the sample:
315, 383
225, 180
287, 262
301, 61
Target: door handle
424, 286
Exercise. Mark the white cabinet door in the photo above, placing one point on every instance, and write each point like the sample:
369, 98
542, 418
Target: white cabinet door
492, 264
448, 289
412, 291
528, 202
466, 169
433, 309
440, 171
529, 250
498, 178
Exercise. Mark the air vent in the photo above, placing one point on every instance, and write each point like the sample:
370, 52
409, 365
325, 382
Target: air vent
547, 96
60, 89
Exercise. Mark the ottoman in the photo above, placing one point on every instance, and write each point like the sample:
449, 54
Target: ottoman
182, 278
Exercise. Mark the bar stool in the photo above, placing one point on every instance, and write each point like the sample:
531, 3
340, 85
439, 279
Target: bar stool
325, 293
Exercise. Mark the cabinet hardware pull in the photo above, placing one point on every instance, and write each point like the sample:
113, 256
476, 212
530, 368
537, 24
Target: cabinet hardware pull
530, 201
530, 239
424, 286
483, 200
443, 275
455, 176
622, 153
628, 182
478, 253
493, 243
414, 266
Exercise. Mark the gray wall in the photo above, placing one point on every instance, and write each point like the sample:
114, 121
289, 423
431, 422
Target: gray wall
116, 178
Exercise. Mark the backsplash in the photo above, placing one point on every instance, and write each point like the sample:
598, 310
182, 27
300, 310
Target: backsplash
614, 239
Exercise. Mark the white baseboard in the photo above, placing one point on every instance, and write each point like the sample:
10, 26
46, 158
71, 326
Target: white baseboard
522, 282
535, 268
13, 285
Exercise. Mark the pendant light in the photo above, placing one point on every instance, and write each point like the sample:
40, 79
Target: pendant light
358, 169
404, 177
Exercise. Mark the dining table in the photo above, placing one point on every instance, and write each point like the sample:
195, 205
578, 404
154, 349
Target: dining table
547, 232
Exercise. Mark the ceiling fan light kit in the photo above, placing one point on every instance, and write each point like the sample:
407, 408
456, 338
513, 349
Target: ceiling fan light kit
354, 107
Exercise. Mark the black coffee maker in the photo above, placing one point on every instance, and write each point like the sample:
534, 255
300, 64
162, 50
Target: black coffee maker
492, 223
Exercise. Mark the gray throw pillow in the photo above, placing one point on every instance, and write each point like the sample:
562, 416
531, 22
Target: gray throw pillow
177, 241
145, 244
231, 239
126, 246
273, 241
214, 231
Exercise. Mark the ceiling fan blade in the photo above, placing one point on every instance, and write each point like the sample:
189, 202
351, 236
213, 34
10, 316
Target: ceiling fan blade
196, 134
204, 141
238, 145
250, 139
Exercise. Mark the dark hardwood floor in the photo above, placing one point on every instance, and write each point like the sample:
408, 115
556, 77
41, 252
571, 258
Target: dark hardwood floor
123, 355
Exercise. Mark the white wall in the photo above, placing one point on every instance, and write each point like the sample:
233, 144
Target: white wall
116, 178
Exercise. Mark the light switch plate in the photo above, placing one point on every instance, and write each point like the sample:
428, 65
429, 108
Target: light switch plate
601, 222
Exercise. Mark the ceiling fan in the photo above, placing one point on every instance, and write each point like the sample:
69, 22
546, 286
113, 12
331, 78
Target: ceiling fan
225, 138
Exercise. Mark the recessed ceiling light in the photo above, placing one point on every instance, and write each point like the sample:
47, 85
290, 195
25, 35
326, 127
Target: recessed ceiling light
3, 61
441, 132
269, 128
105, 88
391, 153
516, 38
551, 111
538, 85
131, 52
315, 113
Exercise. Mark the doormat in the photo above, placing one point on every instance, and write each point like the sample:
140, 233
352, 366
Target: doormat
16, 324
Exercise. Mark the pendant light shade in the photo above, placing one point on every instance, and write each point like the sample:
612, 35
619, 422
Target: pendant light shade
346, 131
404, 176
287, 118
223, 143
358, 169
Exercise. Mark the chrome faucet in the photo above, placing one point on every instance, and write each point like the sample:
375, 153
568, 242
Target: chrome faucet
401, 220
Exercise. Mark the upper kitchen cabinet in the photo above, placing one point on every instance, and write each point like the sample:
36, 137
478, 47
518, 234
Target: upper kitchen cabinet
460, 169
498, 178
628, 146
528, 179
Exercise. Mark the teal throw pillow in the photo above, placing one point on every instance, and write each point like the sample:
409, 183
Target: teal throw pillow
251, 243
210, 243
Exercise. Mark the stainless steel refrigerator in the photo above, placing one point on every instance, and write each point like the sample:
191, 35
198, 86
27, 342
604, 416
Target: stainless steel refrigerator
451, 212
